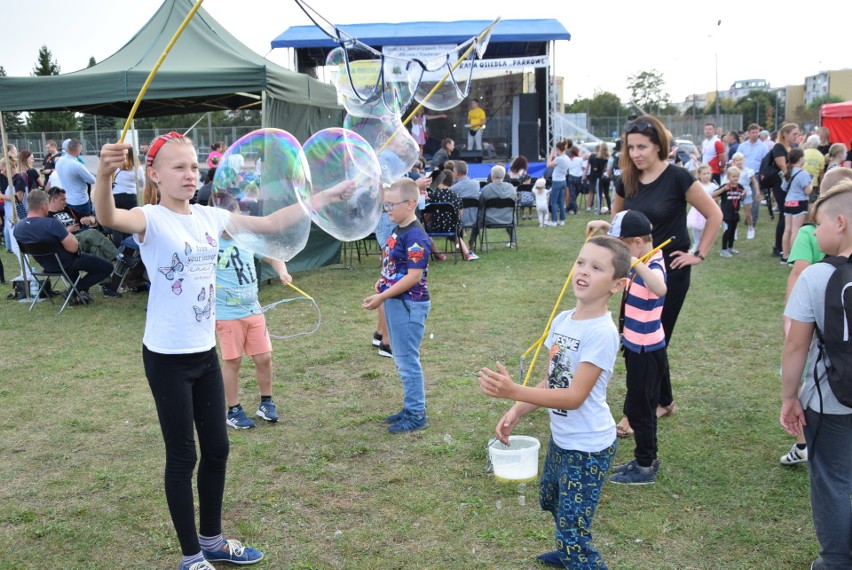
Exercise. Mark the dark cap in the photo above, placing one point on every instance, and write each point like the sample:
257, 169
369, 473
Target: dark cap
630, 223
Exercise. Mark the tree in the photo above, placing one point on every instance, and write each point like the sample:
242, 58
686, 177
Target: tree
602, 104
756, 107
11, 121
98, 123
647, 90
807, 116
49, 121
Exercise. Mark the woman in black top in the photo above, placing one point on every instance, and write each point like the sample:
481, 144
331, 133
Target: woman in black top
443, 221
788, 135
661, 191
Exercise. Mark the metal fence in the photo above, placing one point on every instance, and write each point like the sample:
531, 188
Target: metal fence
579, 126
93, 140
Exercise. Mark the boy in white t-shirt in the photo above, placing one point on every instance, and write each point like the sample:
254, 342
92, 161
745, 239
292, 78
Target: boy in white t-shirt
583, 343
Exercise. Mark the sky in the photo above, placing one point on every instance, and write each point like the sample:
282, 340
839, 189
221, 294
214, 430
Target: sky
609, 41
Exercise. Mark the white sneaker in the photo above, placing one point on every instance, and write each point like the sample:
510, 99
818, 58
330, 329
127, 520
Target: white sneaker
734, 251
560, 223
750, 234
795, 456
725, 253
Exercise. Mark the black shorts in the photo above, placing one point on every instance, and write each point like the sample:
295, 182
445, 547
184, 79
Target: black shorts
795, 208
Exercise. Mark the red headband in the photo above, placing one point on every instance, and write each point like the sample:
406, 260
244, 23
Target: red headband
158, 143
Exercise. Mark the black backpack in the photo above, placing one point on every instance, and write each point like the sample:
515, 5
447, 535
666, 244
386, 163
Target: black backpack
769, 171
835, 340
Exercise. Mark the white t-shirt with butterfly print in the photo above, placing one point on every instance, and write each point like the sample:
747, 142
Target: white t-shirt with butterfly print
179, 253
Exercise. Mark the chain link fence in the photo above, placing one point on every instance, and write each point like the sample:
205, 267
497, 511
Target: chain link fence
582, 127
93, 140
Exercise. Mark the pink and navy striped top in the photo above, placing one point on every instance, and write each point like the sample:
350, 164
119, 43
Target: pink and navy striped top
643, 329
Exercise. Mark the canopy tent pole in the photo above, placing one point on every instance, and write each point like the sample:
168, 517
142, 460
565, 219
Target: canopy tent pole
9, 194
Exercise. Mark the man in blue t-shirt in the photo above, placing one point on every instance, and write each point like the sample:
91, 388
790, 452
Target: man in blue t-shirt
38, 227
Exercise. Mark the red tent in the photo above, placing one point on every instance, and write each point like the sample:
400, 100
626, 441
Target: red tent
838, 118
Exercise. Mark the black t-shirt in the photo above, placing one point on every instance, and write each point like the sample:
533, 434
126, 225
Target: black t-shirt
663, 201
597, 166
731, 200
778, 151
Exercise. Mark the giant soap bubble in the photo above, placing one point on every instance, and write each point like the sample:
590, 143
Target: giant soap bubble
370, 84
396, 148
346, 183
265, 173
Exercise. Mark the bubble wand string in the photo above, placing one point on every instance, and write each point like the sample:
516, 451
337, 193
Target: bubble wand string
263, 310
156, 68
419, 106
537, 344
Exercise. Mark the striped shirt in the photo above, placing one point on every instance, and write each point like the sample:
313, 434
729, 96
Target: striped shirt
643, 329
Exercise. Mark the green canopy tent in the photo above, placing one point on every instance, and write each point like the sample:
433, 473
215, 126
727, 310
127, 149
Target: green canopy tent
208, 69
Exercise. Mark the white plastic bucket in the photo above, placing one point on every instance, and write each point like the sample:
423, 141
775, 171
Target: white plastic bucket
517, 462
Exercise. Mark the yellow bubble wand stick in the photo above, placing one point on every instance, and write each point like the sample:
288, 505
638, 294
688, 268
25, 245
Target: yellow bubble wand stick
156, 68
537, 344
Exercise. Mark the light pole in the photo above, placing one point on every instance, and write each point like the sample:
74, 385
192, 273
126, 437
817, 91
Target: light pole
716, 45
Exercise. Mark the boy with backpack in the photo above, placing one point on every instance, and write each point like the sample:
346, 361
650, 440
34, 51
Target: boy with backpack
824, 408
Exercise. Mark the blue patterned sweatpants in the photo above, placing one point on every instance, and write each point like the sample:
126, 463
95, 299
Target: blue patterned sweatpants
571, 483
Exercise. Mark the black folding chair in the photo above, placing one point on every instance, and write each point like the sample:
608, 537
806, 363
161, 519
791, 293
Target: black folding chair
44, 252
470, 205
498, 205
454, 225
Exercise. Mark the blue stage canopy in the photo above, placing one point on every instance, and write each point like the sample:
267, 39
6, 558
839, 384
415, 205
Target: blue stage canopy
510, 38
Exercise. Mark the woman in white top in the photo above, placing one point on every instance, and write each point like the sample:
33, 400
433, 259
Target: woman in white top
559, 161
575, 178
125, 190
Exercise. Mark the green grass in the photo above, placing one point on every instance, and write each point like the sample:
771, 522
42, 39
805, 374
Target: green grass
329, 487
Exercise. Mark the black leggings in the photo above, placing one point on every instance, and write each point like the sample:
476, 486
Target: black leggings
677, 285
187, 389
780, 197
728, 236
645, 371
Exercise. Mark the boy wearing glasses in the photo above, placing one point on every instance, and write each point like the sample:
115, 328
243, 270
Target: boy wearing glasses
403, 290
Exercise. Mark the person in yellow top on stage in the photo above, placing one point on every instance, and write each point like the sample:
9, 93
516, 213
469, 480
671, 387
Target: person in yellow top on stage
476, 122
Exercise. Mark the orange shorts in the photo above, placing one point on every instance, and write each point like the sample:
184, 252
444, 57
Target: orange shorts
247, 335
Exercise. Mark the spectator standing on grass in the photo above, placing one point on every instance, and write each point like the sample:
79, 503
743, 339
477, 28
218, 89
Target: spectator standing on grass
644, 345
731, 194
403, 291
713, 152
559, 161
753, 151
75, 179
575, 179
804, 253
814, 162
797, 186
661, 191
748, 180
788, 136
583, 343
48, 163
240, 324
826, 423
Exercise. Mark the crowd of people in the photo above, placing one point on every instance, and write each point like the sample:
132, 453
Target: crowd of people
646, 256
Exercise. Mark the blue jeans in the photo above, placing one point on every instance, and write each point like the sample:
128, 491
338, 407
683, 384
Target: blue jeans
82, 210
570, 489
384, 228
406, 324
574, 184
830, 473
557, 200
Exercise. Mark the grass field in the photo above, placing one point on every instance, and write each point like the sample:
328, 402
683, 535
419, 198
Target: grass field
329, 487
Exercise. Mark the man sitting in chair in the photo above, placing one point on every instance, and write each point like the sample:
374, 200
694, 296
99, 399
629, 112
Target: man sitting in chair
499, 216
38, 227
83, 227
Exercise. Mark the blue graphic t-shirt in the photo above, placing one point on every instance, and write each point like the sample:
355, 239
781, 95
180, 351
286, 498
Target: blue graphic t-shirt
236, 280
407, 247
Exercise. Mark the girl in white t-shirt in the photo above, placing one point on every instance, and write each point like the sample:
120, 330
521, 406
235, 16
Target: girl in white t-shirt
179, 247
694, 220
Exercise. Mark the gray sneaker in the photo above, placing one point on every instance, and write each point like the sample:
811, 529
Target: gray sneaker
635, 475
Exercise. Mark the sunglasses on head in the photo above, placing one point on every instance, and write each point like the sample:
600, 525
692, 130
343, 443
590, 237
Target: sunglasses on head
54, 191
639, 126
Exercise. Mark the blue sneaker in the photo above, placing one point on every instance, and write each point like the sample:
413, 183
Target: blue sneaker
266, 411
552, 559
235, 553
409, 422
239, 420
625, 466
396, 417
635, 475
203, 565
